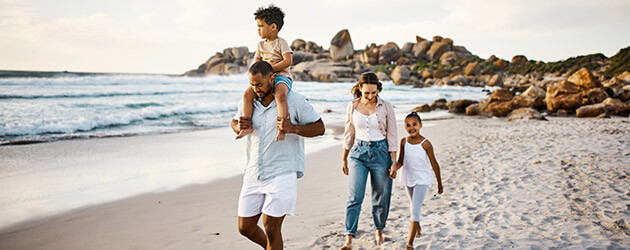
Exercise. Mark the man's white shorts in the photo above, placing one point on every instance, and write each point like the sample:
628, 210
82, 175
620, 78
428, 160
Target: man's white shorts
275, 197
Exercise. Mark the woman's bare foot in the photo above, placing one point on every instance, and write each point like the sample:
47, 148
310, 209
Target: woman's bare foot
348, 244
409, 247
244, 132
379, 238
280, 136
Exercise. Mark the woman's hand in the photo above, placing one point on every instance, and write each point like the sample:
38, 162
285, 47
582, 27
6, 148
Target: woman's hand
344, 166
392, 170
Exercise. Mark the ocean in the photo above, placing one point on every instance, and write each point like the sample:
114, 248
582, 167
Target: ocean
52, 160
50, 106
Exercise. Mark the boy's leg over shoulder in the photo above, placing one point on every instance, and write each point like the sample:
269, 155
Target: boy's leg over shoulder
248, 110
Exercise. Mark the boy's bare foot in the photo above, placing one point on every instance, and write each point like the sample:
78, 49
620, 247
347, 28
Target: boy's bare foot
244, 132
348, 244
409, 247
280, 136
379, 238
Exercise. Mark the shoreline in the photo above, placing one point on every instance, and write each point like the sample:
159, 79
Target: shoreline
523, 184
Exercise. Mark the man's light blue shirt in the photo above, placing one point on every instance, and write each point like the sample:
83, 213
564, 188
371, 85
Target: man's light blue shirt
267, 158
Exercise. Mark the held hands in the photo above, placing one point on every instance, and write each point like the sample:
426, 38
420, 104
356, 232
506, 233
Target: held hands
285, 125
393, 169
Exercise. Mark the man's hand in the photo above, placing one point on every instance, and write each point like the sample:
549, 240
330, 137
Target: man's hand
285, 125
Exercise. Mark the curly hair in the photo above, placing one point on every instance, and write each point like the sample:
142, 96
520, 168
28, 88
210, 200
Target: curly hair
270, 15
366, 78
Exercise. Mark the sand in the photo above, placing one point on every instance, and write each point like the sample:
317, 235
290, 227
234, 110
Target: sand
561, 183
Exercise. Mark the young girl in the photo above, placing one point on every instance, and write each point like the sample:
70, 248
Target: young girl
419, 170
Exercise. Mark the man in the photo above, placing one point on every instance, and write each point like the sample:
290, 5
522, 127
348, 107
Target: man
273, 167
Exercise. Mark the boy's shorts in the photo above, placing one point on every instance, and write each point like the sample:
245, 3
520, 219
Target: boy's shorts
275, 197
284, 79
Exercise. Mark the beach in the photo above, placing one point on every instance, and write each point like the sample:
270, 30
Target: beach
560, 183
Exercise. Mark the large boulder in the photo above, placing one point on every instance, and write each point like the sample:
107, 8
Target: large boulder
427, 73
584, 79
439, 73
616, 107
436, 50
323, 70
499, 103
420, 49
473, 109
341, 46
614, 87
495, 80
519, 59
298, 45
400, 75
525, 114
594, 95
408, 47
533, 97
422, 108
458, 80
449, 58
240, 52
459, 106
389, 53
472, 69
439, 104
382, 76
370, 55
501, 64
592, 110
625, 77
301, 56
565, 96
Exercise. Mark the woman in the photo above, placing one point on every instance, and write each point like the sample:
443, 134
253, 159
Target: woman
371, 121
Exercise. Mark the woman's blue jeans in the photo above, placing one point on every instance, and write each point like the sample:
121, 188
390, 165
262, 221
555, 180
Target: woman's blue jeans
368, 157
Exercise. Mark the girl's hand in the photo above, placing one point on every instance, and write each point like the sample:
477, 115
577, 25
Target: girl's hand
344, 167
392, 174
440, 189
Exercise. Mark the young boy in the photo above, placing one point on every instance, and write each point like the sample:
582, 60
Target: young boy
275, 51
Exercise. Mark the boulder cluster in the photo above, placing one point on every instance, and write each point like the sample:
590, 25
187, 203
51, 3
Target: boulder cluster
590, 85
581, 94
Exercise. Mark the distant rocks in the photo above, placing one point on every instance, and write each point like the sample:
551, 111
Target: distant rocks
341, 46
389, 53
230, 61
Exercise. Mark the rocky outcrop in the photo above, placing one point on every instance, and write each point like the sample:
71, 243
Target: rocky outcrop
592, 110
616, 107
472, 69
401, 75
525, 114
420, 49
499, 103
321, 70
436, 50
578, 89
519, 59
422, 108
370, 55
459, 106
303, 46
439, 104
341, 46
533, 97
230, 61
389, 53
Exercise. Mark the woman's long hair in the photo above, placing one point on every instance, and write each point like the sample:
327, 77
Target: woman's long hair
366, 78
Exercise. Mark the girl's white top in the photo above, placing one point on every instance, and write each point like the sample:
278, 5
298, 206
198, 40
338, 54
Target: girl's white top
416, 168
366, 127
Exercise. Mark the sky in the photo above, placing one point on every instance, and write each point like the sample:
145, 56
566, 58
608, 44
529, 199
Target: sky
173, 36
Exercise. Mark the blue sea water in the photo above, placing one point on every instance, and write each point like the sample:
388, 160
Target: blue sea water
49, 106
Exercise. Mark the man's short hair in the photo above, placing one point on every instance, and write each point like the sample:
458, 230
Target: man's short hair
261, 67
270, 15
